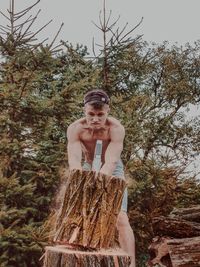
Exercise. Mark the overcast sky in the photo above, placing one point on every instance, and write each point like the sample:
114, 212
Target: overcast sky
171, 20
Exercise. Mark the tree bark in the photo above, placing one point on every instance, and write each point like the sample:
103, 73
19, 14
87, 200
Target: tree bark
184, 252
61, 257
172, 227
88, 215
178, 240
189, 214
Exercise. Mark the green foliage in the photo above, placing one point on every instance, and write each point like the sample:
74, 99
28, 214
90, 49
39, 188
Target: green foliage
37, 92
152, 193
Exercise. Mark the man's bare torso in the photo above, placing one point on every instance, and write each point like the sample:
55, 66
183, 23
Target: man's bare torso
89, 136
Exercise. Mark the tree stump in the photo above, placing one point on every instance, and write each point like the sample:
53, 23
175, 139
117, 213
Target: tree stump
86, 222
61, 257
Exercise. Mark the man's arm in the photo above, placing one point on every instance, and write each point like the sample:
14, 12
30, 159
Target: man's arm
74, 147
113, 150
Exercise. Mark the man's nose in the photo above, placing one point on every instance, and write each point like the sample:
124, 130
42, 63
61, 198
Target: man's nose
95, 118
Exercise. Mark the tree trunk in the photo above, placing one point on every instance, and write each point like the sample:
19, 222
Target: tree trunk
177, 228
88, 215
59, 256
184, 252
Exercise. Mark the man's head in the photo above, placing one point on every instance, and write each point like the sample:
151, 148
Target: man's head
96, 108
97, 98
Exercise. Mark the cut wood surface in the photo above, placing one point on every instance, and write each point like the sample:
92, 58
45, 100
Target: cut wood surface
159, 252
174, 227
59, 256
88, 215
184, 252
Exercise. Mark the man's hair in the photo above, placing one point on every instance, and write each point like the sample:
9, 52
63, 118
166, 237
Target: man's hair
97, 98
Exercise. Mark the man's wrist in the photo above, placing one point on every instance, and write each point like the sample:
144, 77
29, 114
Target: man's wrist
108, 168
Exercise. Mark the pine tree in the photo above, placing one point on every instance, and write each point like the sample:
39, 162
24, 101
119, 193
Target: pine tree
38, 84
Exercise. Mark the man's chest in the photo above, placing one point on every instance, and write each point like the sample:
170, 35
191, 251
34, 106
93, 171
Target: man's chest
90, 136
88, 140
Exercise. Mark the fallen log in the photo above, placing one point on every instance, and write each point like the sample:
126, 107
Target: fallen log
88, 215
184, 252
189, 214
172, 227
59, 256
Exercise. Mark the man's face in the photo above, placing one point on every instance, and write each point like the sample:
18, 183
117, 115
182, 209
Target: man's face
96, 118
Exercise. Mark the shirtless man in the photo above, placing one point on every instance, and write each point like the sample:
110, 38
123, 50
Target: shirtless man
82, 136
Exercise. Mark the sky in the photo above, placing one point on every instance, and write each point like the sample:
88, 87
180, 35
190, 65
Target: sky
170, 20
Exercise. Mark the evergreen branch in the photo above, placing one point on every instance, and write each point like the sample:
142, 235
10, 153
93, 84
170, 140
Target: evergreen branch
2, 40
114, 34
34, 47
55, 50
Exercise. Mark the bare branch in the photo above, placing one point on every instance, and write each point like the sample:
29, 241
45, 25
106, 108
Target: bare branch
128, 33
124, 28
3, 30
114, 23
39, 30
93, 47
97, 26
23, 12
32, 21
100, 21
5, 16
56, 35
106, 23
11, 12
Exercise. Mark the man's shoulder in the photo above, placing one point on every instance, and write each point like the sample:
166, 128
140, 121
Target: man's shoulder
116, 129
115, 123
76, 125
